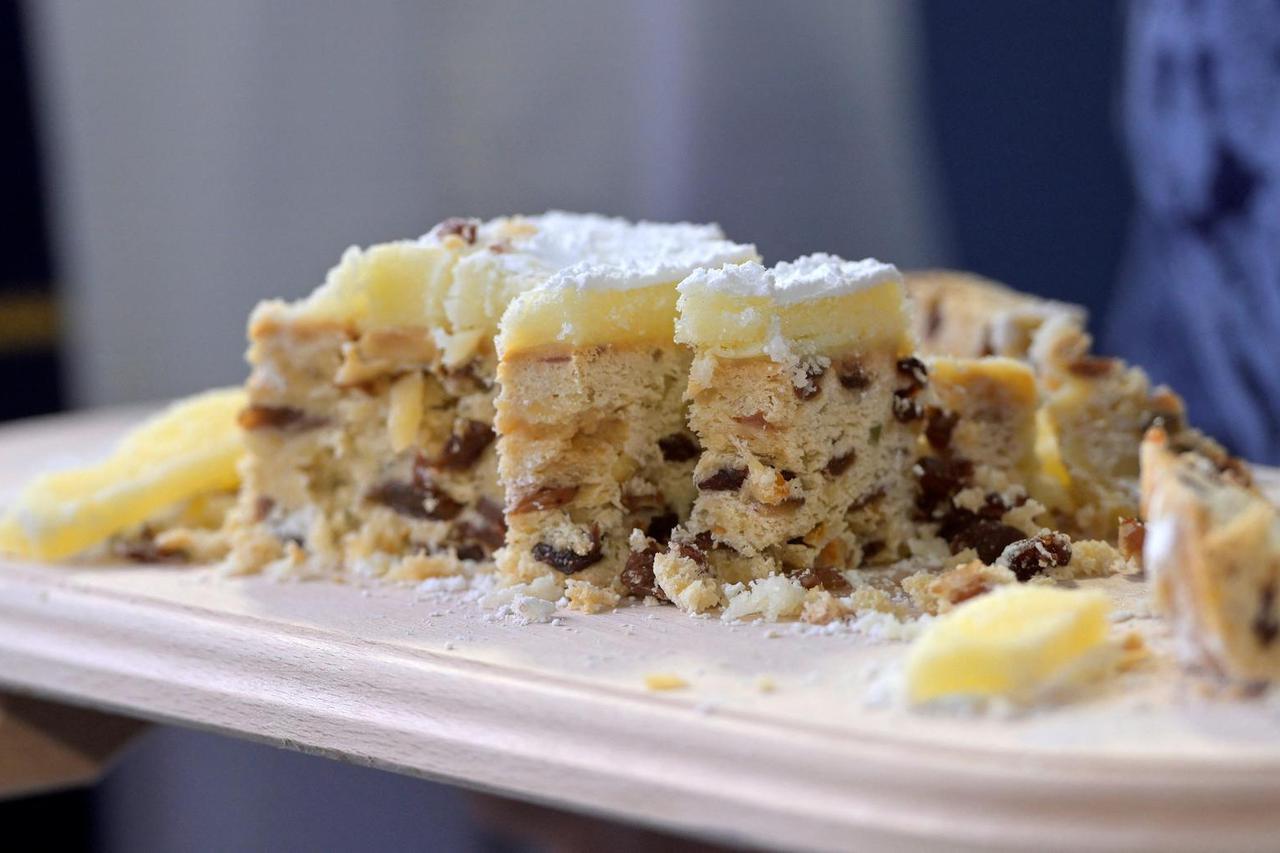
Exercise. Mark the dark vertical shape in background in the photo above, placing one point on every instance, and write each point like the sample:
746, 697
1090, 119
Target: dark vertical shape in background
29, 368
1023, 99
29, 371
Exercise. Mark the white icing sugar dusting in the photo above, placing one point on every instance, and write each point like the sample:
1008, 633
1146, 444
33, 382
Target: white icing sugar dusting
589, 251
811, 277
633, 273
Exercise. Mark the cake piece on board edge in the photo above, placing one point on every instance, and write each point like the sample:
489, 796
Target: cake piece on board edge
1212, 549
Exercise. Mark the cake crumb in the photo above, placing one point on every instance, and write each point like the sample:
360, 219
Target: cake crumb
765, 684
590, 598
664, 681
771, 598
936, 593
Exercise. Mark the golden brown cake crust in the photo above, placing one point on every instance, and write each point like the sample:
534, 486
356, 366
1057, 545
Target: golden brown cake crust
965, 315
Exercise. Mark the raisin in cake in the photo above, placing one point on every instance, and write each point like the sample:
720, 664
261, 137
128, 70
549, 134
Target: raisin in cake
978, 470
591, 419
803, 393
1212, 548
369, 429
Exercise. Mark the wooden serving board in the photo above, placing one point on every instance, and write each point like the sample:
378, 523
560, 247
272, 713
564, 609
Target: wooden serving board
432, 685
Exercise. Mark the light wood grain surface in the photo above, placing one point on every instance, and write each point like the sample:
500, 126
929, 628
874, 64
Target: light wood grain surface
431, 685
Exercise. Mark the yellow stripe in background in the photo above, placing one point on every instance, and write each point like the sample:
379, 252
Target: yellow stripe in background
28, 321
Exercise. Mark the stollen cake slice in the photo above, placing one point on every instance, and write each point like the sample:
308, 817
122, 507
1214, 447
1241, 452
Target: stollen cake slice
369, 428
804, 397
591, 420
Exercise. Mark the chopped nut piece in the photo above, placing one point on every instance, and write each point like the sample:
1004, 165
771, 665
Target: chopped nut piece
590, 598
542, 498
404, 413
821, 608
755, 420
939, 593
813, 372
459, 226
1091, 366
1132, 534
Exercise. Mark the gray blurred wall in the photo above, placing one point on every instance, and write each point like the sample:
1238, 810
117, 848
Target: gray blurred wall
206, 155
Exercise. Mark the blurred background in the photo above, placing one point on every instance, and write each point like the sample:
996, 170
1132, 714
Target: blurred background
170, 162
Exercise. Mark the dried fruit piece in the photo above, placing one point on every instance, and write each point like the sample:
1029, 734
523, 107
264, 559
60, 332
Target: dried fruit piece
542, 498
938, 427
637, 577
1027, 558
679, 447
940, 478
852, 375
839, 464
1132, 535
660, 527
906, 409
566, 559
724, 480
915, 372
463, 448
1264, 624
989, 538
420, 500
284, 418
825, 577
459, 226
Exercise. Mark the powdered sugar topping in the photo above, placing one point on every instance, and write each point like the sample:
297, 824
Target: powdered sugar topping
812, 277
